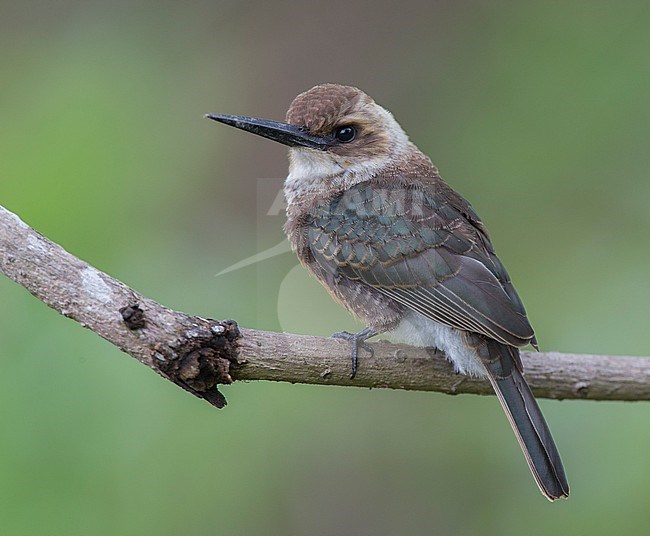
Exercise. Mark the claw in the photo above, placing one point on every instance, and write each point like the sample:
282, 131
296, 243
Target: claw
357, 340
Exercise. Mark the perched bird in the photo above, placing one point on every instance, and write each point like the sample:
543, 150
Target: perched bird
369, 216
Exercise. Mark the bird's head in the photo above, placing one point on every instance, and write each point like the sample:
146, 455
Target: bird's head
332, 131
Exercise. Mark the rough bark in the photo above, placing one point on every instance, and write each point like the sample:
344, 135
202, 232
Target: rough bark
198, 354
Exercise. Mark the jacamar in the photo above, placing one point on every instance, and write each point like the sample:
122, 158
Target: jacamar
370, 217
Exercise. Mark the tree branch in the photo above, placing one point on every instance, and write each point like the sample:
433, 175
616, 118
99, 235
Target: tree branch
198, 354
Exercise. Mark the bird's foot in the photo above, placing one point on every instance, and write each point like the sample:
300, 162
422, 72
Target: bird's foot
357, 340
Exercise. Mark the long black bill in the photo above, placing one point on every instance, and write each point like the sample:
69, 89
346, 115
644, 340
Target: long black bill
285, 133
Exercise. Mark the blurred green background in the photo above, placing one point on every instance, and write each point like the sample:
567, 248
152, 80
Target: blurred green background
537, 112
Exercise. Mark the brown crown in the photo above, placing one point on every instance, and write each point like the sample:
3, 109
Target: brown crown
320, 108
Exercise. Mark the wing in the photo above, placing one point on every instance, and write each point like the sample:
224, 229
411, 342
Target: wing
425, 248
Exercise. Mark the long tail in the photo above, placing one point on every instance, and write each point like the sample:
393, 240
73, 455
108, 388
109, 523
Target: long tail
533, 434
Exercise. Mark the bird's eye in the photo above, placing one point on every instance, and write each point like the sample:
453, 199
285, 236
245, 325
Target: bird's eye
345, 134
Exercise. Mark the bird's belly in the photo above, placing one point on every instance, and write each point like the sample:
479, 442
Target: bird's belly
417, 330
